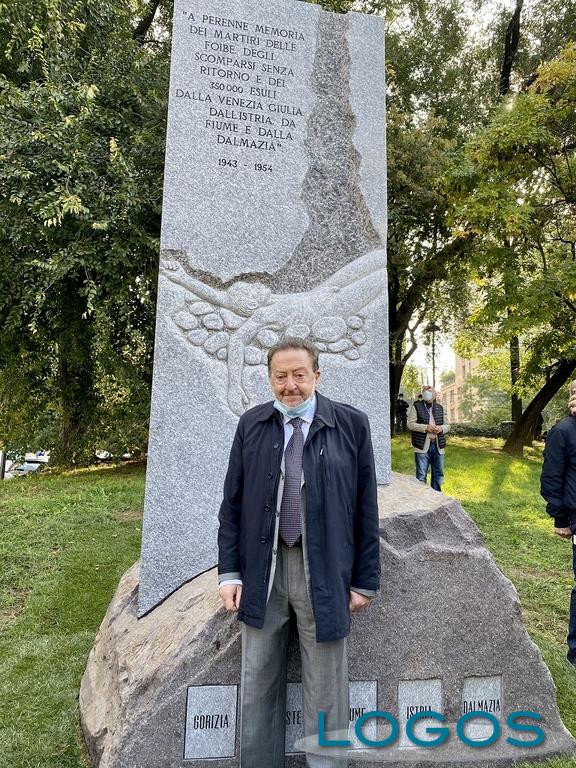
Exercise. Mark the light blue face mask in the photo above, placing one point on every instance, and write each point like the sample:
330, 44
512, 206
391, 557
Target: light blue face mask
428, 396
296, 410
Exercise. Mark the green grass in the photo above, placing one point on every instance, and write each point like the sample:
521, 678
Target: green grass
67, 538
502, 495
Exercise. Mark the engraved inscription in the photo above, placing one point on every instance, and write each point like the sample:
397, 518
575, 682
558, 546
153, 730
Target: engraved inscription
363, 698
210, 721
245, 75
481, 694
416, 696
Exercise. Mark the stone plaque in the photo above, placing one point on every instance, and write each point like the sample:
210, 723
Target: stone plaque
482, 694
294, 716
210, 721
274, 224
418, 696
363, 698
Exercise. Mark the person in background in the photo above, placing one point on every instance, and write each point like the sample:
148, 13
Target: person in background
400, 412
558, 487
539, 431
428, 427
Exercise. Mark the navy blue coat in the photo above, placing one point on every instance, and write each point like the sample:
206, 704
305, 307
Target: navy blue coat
342, 531
558, 479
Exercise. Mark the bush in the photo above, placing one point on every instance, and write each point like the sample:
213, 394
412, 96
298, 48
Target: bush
476, 430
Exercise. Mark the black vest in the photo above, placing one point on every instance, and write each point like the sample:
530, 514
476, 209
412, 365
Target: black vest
423, 417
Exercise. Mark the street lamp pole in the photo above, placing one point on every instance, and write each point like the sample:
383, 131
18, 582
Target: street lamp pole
432, 329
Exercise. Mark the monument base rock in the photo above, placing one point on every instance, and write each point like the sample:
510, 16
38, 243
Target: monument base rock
445, 634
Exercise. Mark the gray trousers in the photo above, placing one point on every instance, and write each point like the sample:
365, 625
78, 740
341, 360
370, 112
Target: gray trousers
264, 657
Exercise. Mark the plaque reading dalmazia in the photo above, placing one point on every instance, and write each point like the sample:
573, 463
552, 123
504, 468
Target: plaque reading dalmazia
274, 225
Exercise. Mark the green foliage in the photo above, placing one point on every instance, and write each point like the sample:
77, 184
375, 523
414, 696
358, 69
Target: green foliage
82, 114
486, 393
447, 377
475, 430
483, 403
515, 189
82, 121
411, 383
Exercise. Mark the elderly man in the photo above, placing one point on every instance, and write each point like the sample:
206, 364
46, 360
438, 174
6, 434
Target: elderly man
298, 535
428, 427
558, 487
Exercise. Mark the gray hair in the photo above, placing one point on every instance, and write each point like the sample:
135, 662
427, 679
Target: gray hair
294, 343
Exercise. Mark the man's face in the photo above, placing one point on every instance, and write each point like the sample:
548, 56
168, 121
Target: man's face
428, 394
291, 376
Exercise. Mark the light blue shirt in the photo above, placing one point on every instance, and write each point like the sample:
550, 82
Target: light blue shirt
307, 419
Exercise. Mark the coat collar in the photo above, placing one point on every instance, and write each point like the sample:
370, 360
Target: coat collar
324, 410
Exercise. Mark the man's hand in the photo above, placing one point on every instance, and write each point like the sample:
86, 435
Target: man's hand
565, 533
358, 602
432, 429
572, 405
231, 594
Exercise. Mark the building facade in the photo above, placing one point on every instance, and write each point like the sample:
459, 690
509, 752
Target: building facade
452, 393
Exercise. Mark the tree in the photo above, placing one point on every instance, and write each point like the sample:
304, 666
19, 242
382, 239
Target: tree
411, 382
511, 43
459, 82
431, 70
82, 115
517, 177
82, 111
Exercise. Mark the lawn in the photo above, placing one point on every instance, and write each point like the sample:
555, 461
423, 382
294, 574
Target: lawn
68, 537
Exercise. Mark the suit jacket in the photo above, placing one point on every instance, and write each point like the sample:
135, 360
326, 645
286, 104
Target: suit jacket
342, 533
558, 479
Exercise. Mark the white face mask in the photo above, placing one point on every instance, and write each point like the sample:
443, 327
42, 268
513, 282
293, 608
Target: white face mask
428, 396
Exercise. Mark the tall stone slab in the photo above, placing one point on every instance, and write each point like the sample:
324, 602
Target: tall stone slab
274, 224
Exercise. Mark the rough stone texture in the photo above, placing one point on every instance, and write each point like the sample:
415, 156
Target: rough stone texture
445, 612
250, 255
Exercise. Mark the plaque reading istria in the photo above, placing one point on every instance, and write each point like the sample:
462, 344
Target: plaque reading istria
274, 225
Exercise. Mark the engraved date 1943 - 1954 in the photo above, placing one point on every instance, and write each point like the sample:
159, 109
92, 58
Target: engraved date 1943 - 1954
226, 162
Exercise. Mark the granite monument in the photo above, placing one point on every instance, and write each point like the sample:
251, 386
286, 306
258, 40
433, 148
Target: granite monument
445, 635
273, 225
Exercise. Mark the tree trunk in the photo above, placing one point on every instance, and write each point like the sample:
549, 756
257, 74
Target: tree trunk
516, 402
404, 303
510, 48
146, 21
396, 371
398, 359
511, 43
525, 427
75, 377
